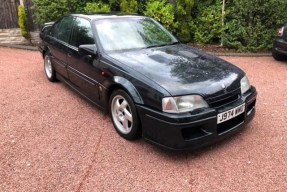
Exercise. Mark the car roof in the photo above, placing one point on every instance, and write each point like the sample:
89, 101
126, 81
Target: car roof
105, 15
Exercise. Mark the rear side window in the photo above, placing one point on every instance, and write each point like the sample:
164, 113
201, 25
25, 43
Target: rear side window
63, 28
82, 33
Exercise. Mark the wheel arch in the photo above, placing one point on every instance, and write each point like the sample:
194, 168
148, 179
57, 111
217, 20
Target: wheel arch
45, 50
127, 86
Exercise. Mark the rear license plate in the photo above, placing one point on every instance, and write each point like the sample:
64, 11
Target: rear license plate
225, 116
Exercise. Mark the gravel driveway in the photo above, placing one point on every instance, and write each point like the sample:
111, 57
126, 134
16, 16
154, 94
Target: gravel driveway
53, 140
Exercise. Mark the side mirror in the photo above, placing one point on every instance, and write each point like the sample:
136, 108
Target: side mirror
88, 50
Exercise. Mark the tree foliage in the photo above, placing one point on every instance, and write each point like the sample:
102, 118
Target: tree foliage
22, 21
129, 6
207, 24
142, 6
183, 15
250, 25
77, 6
97, 7
49, 10
162, 11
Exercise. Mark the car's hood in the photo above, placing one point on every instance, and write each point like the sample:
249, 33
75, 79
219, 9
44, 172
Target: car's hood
182, 70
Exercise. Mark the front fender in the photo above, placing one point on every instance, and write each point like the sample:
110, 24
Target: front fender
129, 87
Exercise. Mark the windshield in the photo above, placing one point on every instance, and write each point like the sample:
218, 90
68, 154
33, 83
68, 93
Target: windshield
132, 33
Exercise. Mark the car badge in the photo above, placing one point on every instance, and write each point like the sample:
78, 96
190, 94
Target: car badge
224, 88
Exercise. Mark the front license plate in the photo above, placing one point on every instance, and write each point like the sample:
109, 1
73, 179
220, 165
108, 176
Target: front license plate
225, 116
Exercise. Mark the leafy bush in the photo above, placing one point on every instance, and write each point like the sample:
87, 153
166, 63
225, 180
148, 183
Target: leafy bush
207, 25
184, 19
49, 10
142, 6
77, 6
163, 12
22, 21
129, 6
114, 4
251, 24
97, 7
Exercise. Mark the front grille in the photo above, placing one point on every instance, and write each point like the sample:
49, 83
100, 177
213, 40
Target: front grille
224, 99
230, 124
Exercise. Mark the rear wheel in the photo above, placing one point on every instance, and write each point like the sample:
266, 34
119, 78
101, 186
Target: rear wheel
49, 69
124, 115
277, 56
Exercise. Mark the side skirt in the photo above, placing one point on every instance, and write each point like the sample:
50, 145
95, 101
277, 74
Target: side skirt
74, 88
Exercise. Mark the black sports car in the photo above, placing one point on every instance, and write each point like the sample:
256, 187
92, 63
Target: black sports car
153, 86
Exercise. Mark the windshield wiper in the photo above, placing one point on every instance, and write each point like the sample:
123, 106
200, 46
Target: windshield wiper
174, 43
161, 45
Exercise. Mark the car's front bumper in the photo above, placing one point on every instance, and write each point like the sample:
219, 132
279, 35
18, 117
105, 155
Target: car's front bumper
280, 46
196, 129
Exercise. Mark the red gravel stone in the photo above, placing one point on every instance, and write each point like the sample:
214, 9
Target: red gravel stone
53, 140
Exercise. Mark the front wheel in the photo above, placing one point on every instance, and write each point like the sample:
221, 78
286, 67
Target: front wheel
49, 69
124, 115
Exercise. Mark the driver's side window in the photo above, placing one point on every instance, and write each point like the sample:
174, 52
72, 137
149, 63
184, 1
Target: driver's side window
62, 29
82, 33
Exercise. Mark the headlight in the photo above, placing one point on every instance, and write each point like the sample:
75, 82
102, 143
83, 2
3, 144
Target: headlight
245, 85
183, 103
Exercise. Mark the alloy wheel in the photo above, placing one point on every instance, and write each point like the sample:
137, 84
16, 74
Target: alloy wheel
122, 114
48, 67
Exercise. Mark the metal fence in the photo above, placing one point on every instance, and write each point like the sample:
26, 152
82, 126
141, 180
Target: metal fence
9, 14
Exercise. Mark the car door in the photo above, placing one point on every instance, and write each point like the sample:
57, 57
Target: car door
59, 38
82, 69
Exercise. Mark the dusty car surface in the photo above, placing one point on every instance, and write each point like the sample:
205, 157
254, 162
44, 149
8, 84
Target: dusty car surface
171, 94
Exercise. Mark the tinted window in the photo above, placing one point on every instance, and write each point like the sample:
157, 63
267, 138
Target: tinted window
82, 33
62, 29
46, 29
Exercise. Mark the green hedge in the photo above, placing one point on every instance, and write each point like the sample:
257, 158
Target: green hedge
250, 25
129, 6
49, 10
207, 23
97, 7
161, 11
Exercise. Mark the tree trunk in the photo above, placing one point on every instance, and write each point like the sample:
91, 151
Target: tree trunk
222, 20
70, 8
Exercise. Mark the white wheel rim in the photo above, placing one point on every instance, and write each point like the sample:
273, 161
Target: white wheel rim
48, 66
121, 114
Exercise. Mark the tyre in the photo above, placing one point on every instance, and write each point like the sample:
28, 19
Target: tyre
277, 56
124, 115
49, 69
